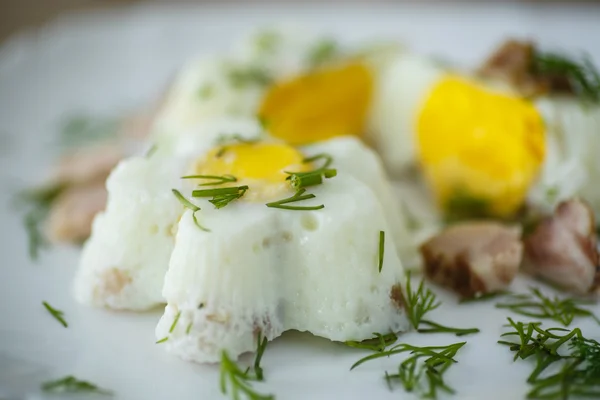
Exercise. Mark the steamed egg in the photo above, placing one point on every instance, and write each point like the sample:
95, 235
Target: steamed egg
473, 142
227, 273
304, 88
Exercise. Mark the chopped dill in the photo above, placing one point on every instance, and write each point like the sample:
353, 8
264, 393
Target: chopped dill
206, 91
188, 204
175, 321
582, 75
238, 381
378, 343
260, 350
537, 305
241, 77
381, 249
38, 203
423, 371
324, 51
215, 179
57, 314
221, 197
555, 375
162, 340
298, 196
70, 384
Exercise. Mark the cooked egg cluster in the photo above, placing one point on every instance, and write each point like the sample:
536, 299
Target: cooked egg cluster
472, 141
227, 273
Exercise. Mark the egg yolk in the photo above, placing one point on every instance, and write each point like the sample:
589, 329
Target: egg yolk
479, 144
328, 102
260, 165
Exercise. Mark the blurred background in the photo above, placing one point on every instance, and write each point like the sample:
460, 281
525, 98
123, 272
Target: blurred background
18, 14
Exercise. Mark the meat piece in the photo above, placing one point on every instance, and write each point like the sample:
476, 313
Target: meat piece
563, 248
474, 258
72, 213
514, 62
87, 164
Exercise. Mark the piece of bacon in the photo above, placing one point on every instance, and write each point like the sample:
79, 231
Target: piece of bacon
563, 248
474, 258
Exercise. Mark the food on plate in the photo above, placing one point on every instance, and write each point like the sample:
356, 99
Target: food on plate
474, 258
563, 248
253, 260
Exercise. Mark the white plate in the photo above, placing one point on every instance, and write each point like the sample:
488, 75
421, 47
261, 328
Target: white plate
106, 63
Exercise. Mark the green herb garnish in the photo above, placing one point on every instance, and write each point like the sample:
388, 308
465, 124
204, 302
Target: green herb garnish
80, 130
260, 349
162, 340
267, 41
238, 381
419, 302
221, 196
175, 321
437, 328
378, 343
298, 196
462, 206
225, 138
300, 180
381, 249
38, 202
70, 384
206, 91
188, 204
537, 305
582, 75
324, 51
423, 371
422, 301
216, 179
243, 77
57, 314
577, 373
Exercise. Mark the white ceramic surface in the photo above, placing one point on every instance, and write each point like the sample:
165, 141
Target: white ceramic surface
106, 63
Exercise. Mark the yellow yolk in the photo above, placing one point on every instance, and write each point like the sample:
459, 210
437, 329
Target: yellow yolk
319, 105
481, 144
259, 165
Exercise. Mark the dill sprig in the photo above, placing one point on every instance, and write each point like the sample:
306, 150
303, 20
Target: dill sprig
175, 321
378, 343
582, 75
70, 384
242, 77
434, 327
215, 179
188, 204
324, 51
162, 340
300, 180
537, 305
298, 196
261, 345
238, 381
38, 202
419, 302
221, 197
423, 371
381, 249
57, 314
226, 138
579, 372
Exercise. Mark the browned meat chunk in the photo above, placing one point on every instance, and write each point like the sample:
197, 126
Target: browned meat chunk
72, 213
562, 249
87, 164
514, 62
473, 258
